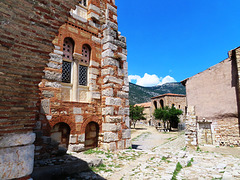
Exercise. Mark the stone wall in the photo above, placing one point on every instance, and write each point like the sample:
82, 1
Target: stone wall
178, 100
27, 31
214, 95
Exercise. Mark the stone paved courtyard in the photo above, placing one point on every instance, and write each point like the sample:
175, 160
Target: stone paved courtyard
155, 155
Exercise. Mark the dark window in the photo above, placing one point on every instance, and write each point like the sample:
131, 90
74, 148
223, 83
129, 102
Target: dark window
161, 103
68, 48
83, 75
155, 104
83, 3
86, 52
66, 72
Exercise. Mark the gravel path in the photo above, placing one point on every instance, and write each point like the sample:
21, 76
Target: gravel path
156, 155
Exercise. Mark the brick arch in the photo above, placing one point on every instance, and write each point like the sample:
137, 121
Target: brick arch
88, 120
25, 53
71, 125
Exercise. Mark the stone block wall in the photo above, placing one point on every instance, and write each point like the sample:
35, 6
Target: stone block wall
214, 94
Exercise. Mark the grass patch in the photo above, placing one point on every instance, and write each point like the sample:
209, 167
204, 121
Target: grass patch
102, 167
93, 151
190, 162
176, 171
198, 149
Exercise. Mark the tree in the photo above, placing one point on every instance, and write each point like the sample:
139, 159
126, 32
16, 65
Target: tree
168, 115
136, 113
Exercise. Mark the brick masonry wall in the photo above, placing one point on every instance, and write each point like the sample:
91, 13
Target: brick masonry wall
108, 104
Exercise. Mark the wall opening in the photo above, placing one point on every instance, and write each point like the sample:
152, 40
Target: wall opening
60, 133
161, 103
155, 104
91, 135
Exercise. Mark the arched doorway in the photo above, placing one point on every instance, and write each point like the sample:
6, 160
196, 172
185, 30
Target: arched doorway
155, 104
161, 103
60, 133
91, 135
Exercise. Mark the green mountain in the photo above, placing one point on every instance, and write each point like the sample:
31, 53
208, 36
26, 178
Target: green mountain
139, 94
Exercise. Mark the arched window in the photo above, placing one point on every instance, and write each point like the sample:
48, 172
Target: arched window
83, 3
83, 65
68, 46
155, 104
161, 103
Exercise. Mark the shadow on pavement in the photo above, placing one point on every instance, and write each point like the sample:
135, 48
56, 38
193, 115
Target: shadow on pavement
76, 169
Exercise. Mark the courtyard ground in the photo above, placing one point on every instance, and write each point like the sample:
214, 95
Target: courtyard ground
158, 155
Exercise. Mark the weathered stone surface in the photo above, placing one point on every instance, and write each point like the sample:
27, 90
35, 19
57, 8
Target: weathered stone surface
113, 119
110, 62
16, 162
96, 95
16, 140
111, 127
81, 138
127, 121
94, 8
51, 75
107, 92
126, 133
108, 111
73, 139
54, 65
48, 94
108, 71
78, 118
128, 143
122, 94
53, 84
45, 106
112, 79
110, 46
108, 53
110, 136
77, 110
56, 58
76, 147
113, 101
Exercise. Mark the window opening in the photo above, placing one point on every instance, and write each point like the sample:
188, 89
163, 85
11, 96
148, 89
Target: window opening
83, 75
68, 46
66, 72
161, 103
83, 3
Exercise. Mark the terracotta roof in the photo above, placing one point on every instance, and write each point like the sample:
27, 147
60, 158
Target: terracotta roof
169, 94
147, 104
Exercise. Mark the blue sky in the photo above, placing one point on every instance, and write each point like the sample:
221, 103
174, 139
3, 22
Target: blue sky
171, 40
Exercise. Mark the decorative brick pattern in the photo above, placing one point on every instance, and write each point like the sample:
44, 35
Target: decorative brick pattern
32, 94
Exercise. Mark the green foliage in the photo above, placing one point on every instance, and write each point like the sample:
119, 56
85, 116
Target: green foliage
167, 114
190, 162
136, 113
176, 171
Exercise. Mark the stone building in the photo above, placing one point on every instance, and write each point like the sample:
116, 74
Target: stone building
146, 111
213, 104
176, 100
63, 75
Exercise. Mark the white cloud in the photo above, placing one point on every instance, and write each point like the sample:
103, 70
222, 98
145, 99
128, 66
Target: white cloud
167, 79
150, 80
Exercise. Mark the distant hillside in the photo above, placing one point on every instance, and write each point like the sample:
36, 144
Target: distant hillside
139, 94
